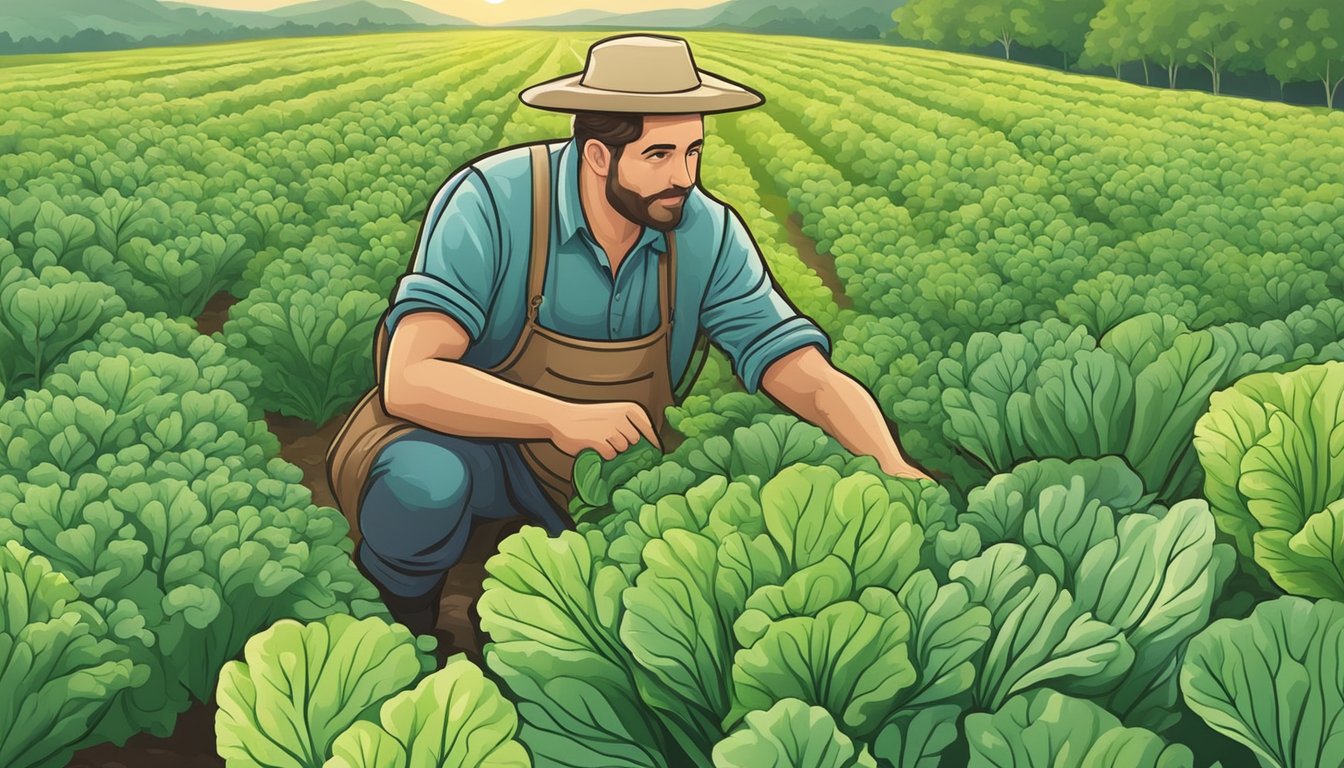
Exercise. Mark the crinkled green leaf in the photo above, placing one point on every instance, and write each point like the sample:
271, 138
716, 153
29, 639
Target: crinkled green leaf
851, 658
553, 610
1040, 635
791, 734
1273, 681
674, 629
1156, 582
453, 718
1048, 729
300, 685
915, 738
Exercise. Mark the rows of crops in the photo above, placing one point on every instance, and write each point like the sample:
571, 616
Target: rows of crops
1107, 318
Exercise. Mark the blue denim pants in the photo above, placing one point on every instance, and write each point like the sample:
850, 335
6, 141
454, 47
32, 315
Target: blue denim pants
423, 493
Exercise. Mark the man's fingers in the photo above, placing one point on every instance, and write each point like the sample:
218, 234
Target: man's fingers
628, 431
640, 419
616, 444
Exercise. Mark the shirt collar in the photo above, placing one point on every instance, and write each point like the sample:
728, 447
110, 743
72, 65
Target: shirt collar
570, 208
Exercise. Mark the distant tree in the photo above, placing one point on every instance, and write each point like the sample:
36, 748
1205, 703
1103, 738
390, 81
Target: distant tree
973, 23
988, 21
1065, 24
1211, 33
1117, 35
1303, 40
930, 20
98, 40
966, 23
1162, 27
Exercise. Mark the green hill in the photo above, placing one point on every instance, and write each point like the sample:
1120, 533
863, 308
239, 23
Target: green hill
53, 19
139, 18
838, 18
377, 11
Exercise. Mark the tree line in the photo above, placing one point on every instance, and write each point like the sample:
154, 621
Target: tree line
98, 40
1290, 40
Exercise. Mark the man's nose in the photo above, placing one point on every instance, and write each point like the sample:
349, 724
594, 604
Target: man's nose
681, 175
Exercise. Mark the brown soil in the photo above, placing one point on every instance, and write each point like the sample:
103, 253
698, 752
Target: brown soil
192, 745
215, 313
821, 263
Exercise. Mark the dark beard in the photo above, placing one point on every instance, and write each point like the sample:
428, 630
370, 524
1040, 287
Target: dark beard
640, 209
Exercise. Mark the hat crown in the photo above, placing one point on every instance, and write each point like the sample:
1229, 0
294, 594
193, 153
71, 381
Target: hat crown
641, 63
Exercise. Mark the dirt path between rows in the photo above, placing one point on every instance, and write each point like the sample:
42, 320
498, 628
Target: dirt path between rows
821, 263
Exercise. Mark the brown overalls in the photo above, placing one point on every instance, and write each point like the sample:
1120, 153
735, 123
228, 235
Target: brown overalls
567, 367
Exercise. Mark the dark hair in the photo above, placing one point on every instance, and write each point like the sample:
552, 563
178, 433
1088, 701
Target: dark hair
614, 129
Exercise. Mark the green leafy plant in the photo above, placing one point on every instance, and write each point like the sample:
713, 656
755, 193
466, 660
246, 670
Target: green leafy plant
1272, 447
454, 718
1046, 729
164, 505
60, 668
182, 273
1273, 681
790, 733
1050, 390
310, 335
1090, 593
316, 679
657, 641
43, 317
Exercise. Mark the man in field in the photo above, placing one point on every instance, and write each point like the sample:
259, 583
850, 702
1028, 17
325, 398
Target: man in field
555, 296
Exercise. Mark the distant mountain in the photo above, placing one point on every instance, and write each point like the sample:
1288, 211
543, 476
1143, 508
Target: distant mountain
667, 18
57, 18
139, 19
833, 18
340, 10
346, 13
52, 19
234, 18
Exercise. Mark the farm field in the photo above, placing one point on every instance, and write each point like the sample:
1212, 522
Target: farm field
1108, 319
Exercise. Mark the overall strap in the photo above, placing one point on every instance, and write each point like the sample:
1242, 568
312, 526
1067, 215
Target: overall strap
667, 281
541, 220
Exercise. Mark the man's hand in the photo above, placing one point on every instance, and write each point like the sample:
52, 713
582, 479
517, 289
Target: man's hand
805, 382
900, 468
607, 428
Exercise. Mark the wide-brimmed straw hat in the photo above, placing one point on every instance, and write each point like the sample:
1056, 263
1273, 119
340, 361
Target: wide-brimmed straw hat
644, 74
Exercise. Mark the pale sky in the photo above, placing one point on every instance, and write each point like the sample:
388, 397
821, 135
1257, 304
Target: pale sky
488, 12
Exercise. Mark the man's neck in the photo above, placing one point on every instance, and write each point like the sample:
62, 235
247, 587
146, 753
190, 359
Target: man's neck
611, 230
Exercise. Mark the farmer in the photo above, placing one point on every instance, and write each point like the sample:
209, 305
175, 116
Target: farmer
512, 353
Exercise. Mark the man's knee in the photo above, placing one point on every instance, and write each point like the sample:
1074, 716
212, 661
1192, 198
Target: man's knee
421, 476
415, 504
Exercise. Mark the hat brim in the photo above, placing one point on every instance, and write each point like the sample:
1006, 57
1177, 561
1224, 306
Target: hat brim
714, 94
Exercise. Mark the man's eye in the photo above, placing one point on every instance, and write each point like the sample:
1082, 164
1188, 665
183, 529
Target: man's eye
659, 155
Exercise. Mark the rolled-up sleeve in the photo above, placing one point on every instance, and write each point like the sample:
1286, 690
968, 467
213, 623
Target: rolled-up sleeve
745, 313
457, 257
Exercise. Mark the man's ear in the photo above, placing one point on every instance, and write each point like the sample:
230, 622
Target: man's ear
598, 157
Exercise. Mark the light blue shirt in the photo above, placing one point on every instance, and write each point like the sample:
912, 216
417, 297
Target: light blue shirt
471, 262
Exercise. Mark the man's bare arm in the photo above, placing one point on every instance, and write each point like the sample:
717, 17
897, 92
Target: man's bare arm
805, 382
425, 384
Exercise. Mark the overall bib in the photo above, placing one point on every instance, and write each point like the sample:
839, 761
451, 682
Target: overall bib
567, 367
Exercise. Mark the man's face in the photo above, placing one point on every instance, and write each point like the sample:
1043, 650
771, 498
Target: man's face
655, 172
